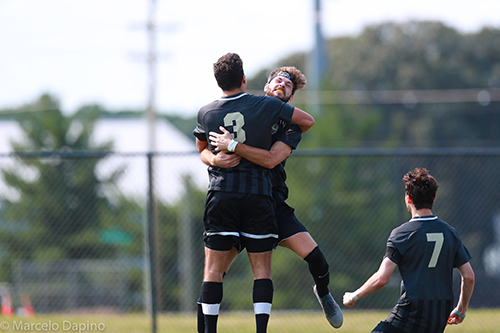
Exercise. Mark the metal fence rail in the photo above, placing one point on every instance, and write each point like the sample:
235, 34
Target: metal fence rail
78, 229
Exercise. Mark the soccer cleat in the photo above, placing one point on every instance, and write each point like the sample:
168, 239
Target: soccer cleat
332, 310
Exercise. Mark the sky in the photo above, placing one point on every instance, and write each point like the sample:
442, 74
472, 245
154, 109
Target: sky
94, 51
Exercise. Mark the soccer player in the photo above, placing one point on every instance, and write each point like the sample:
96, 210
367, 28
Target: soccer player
283, 83
239, 207
426, 250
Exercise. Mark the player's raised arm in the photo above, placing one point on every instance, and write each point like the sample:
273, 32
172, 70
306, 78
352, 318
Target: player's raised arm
303, 119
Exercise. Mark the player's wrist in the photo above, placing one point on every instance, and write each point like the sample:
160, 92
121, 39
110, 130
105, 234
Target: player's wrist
351, 297
459, 314
232, 145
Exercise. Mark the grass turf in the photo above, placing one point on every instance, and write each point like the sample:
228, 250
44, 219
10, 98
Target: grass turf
477, 321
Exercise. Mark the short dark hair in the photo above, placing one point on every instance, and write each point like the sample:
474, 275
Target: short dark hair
421, 187
228, 71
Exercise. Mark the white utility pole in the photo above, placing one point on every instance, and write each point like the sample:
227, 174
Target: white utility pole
153, 290
317, 60
152, 60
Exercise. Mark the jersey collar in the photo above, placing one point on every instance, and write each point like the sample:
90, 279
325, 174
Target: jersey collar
424, 218
233, 97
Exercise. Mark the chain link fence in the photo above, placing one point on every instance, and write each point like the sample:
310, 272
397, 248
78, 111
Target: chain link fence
76, 238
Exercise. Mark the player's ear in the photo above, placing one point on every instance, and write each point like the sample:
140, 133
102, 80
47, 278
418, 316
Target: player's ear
243, 86
266, 87
291, 98
408, 199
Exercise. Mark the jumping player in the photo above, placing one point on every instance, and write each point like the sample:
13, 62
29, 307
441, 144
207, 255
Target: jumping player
282, 83
239, 205
426, 250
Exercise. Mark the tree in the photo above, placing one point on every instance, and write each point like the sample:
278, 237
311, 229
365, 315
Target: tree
418, 55
59, 198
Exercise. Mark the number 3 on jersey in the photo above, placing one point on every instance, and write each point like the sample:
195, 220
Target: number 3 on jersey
439, 239
237, 121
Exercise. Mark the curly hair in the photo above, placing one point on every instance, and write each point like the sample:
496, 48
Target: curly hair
421, 187
228, 71
298, 79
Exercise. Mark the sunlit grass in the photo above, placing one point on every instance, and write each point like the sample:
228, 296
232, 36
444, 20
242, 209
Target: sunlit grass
480, 321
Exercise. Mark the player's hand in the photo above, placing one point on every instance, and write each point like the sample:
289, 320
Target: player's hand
220, 141
225, 160
349, 299
454, 318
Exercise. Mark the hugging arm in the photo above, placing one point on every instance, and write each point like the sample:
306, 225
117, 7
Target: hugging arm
201, 145
222, 159
302, 119
266, 158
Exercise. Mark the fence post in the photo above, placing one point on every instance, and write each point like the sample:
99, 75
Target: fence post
398, 184
152, 242
186, 249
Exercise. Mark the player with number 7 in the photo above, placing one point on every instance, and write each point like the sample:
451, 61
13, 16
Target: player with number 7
426, 250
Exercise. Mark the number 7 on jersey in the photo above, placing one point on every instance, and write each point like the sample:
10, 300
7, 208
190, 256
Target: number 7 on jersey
439, 239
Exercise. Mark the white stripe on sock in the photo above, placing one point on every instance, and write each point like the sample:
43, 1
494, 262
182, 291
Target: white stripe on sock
262, 308
210, 309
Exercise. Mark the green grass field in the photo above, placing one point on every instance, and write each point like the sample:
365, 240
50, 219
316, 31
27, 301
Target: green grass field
480, 321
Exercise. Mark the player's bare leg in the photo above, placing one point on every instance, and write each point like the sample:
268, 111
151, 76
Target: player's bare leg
302, 244
215, 264
306, 248
262, 288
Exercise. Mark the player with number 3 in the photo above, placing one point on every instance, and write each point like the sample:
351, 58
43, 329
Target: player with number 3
239, 207
282, 83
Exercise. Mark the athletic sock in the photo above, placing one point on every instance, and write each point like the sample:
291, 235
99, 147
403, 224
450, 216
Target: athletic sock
200, 317
320, 270
211, 297
262, 302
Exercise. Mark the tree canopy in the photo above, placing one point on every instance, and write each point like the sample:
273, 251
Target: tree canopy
412, 56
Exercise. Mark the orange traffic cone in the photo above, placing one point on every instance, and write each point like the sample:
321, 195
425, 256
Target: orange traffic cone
6, 308
27, 307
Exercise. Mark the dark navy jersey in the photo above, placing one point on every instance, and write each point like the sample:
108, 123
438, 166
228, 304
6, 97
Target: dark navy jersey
249, 118
290, 134
426, 250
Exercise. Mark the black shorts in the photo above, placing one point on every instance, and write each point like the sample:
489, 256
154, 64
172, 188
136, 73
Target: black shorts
249, 218
385, 327
288, 225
